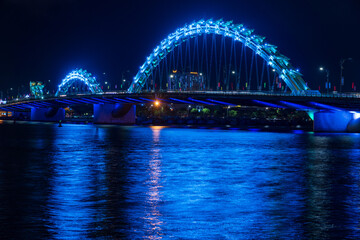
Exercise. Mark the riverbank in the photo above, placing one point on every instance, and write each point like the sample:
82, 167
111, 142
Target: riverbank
189, 124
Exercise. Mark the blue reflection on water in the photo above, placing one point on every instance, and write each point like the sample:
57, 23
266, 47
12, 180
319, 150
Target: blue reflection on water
153, 199
106, 182
77, 164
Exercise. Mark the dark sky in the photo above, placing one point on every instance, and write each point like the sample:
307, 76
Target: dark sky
45, 39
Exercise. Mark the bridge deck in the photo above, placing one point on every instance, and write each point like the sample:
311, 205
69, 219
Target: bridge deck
243, 98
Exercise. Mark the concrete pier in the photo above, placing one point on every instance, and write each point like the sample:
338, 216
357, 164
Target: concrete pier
336, 121
50, 114
115, 113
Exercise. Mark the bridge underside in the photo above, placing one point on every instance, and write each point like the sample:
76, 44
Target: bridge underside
110, 103
204, 98
50, 114
114, 113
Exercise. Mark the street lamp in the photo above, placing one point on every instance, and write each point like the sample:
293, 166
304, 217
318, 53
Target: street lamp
342, 61
227, 111
327, 78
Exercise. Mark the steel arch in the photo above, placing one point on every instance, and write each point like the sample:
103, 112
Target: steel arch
238, 32
81, 75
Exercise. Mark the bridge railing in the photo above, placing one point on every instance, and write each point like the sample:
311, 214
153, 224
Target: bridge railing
265, 93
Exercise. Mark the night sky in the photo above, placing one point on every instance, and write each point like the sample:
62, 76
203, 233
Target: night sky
46, 39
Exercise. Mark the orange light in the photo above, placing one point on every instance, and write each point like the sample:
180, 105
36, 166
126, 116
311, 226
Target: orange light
157, 103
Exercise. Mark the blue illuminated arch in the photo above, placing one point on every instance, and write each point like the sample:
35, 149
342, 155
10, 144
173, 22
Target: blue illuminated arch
81, 75
238, 32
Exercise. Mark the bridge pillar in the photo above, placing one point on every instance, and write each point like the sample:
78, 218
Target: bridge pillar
47, 114
115, 113
336, 121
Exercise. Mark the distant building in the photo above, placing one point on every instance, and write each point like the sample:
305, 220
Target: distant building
36, 89
190, 81
4, 114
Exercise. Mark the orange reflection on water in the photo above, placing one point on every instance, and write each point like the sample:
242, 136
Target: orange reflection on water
156, 130
154, 230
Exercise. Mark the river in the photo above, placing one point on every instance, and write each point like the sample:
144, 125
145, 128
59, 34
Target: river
114, 182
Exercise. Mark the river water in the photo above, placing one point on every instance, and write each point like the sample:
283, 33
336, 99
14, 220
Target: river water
112, 182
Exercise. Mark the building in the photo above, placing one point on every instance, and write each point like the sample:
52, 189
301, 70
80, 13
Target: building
190, 81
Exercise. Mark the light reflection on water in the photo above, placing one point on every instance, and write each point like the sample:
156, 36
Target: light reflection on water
108, 182
153, 222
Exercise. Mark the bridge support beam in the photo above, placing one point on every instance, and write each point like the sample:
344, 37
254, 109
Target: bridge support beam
47, 114
336, 121
115, 113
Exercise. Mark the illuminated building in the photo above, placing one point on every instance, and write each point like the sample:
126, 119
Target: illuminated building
190, 81
36, 89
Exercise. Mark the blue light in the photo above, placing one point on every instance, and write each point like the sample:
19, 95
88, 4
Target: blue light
324, 106
220, 102
298, 131
81, 75
199, 101
146, 99
133, 99
356, 115
178, 100
268, 104
123, 100
296, 106
227, 29
254, 129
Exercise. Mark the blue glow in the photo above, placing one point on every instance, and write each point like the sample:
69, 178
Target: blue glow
66, 101
18, 107
82, 100
62, 101
356, 115
220, 102
135, 100
268, 104
90, 100
35, 104
43, 103
161, 100
123, 100
267, 51
298, 131
199, 101
324, 106
332, 121
178, 100
146, 99
101, 100
81, 75
28, 106
294, 105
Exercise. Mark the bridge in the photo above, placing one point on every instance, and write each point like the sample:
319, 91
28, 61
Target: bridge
206, 63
